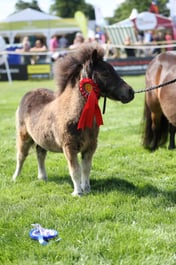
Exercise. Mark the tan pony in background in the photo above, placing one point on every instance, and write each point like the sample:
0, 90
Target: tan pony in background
160, 103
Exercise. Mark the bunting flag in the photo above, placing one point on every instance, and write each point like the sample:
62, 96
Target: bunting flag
82, 22
154, 7
99, 19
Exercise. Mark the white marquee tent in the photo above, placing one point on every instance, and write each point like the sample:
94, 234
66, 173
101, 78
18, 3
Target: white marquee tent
33, 22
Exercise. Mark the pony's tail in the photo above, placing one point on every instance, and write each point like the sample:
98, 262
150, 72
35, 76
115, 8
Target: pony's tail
153, 139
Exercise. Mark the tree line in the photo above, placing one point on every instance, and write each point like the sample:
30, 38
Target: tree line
67, 8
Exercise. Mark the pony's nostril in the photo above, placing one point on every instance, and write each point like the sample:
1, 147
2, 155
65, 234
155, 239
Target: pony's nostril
131, 92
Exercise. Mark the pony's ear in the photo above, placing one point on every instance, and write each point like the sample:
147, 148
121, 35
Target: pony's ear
93, 61
94, 56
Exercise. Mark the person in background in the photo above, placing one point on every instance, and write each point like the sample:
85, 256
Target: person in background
139, 38
25, 59
168, 39
39, 47
54, 45
129, 51
100, 36
78, 40
157, 40
148, 38
110, 51
26, 44
63, 42
26, 48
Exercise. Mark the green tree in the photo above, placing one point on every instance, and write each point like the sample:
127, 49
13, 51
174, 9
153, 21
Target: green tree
20, 5
124, 10
68, 8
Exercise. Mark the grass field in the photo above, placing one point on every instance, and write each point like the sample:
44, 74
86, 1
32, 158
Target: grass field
129, 218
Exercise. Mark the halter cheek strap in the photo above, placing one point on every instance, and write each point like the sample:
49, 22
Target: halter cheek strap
90, 90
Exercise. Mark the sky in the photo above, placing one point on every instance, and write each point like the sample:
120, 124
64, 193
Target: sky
107, 7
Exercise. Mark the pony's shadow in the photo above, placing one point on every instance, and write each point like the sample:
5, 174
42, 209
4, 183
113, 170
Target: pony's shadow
60, 179
124, 186
121, 185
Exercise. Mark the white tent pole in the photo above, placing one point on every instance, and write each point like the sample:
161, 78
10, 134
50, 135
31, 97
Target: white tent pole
4, 58
7, 68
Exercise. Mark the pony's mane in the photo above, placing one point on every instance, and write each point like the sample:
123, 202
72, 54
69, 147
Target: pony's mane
68, 67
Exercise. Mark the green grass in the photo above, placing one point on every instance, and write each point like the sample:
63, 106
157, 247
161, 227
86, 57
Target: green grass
129, 218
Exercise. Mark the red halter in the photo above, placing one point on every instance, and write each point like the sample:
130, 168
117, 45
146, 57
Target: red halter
90, 90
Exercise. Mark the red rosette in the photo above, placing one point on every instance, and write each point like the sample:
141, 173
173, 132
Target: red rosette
86, 85
90, 90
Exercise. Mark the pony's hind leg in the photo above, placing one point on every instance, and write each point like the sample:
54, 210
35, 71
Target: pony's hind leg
172, 131
23, 142
41, 155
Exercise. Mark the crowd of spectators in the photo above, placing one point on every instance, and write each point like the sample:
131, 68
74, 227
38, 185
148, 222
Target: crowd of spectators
56, 46
61, 43
149, 39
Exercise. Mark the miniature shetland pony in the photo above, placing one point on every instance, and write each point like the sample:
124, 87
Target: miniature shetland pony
68, 119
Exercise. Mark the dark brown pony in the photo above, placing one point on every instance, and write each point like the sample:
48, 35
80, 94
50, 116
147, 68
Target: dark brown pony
160, 104
49, 120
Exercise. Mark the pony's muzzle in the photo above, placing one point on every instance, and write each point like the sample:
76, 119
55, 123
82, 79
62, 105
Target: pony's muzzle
131, 93
129, 97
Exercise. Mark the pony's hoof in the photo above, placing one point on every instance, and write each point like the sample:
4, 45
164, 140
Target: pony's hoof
42, 178
85, 187
87, 190
171, 147
14, 179
77, 194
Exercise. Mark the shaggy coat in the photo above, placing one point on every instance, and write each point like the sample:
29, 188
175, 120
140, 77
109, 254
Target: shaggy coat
49, 119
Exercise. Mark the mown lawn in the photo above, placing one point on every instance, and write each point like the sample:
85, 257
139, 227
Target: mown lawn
129, 218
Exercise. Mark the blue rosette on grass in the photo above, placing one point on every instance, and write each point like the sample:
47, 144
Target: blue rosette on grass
43, 235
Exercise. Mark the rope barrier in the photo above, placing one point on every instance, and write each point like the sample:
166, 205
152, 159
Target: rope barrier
109, 45
142, 47
25, 53
20, 52
136, 46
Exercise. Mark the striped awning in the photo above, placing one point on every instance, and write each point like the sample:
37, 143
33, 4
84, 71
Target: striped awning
117, 34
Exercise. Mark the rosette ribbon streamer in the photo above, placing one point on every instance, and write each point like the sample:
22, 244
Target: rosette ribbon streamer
89, 89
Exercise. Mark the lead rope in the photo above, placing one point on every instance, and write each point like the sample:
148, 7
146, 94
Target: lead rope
155, 87
144, 90
104, 105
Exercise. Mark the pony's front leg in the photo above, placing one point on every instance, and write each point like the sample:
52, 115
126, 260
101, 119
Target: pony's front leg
86, 167
74, 170
41, 155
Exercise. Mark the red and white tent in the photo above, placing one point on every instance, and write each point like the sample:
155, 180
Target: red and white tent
141, 21
151, 21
